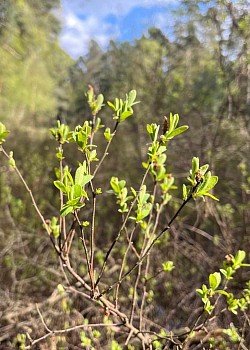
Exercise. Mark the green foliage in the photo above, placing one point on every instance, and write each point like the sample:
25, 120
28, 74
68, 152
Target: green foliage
121, 193
115, 345
74, 188
30, 50
95, 104
143, 223
168, 266
3, 133
85, 341
53, 226
233, 334
20, 341
233, 303
123, 108
144, 205
201, 181
202, 73
61, 133
170, 129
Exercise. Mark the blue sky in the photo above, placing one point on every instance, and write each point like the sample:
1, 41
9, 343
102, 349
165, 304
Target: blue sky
103, 20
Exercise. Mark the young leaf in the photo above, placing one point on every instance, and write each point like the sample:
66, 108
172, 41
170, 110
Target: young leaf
168, 266
211, 196
86, 179
209, 183
176, 120
177, 131
143, 212
73, 202
131, 97
66, 209
203, 169
111, 105
239, 257
3, 133
99, 103
125, 115
214, 280
195, 166
80, 176
184, 191
60, 185
114, 183
107, 134
76, 191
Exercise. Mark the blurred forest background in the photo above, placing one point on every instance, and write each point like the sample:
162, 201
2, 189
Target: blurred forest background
202, 73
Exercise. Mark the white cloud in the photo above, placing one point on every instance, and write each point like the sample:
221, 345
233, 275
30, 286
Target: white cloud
78, 32
84, 20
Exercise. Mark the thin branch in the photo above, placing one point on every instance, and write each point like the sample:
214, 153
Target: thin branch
151, 245
132, 311
92, 244
62, 219
120, 231
106, 150
84, 245
70, 329
42, 319
33, 201
123, 263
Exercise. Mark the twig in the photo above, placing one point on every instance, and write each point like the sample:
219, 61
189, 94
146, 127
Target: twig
43, 322
62, 331
33, 201
62, 219
123, 263
106, 150
150, 246
92, 244
84, 245
120, 231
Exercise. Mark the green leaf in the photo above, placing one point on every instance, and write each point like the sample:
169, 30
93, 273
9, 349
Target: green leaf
3, 133
221, 291
60, 185
133, 191
92, 156
122, 184
73, 202
107, 134
131, 97
76, 191
81, 178
184, 191
195, 165
12, 161
176, 132
79, 175
210, 195
125, 115
209, 183
176, 120
239, 257
144, 212
168, 266
68, 176
203, 169
214, 280
99, 103
66, 209
114, 183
